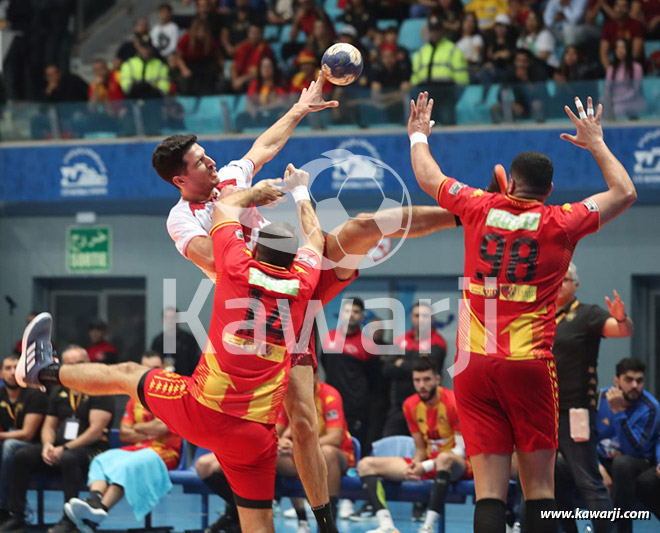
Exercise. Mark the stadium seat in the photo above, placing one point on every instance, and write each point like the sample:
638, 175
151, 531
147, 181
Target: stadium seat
284, 35
410, 34
206, 115
651, 90
383, 24
272, 33
650, 47
331, 7
471, 109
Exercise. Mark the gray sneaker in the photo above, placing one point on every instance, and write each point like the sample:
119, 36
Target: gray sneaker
37, 351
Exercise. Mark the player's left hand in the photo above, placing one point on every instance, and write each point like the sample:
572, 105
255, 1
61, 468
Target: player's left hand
295, 177
420, 115
616, 307
615, 399
312, 97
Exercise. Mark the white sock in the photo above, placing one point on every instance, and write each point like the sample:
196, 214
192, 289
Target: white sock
431, 518
384, 519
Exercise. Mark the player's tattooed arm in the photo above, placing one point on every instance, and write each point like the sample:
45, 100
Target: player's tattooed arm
426, 169
270, 142
297, 181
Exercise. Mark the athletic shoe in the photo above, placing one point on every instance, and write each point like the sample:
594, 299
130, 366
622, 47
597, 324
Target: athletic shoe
384, 529
346, 509
83, 515
418, 512
225, 524
291, 512
65, 525
37, 352
303, 527
366, 512
425, 529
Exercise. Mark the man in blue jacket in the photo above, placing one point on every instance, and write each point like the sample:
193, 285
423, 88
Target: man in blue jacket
627, 433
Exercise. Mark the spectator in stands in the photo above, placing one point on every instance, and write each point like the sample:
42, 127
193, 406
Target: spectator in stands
308, 72
573, 77
648, 13
198, 60
63, 86
500, 49
565, 18
105, 91
471, 44
237, 26
145, 75
280, 11
420, 340
391, 9
209, 471
321, 38
21, 413
523, 94
267, 99
627, 434
247, 58
76, 428
486, 11
129, 49
439, 67
335, 441
623, 96
351, 363
450, 12
137, 471
207, 11
538, 40
165, 34
306, 14
595, 7
580, 328
518, 11
99, 349
622, 26
390, 85
359, 16
439, 449
186, 349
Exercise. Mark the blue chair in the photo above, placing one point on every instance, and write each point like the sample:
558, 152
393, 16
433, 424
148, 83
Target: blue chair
410, 34
471, 109
383, 24
272, 32
331, 7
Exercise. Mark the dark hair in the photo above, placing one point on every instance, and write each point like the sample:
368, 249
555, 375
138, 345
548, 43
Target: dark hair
629, 364
422, 364
152, 353
357, 302
276, 73
475, 30
421, 304
165, 6
534, 170
627, 63
97, 323
570, 73
539, 21
277, 244
167, 158
10, 357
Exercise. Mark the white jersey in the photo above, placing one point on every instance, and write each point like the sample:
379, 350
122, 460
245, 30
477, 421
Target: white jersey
188, 220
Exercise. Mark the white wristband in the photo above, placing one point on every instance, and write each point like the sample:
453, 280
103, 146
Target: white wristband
300, 193
418, 137
428, 465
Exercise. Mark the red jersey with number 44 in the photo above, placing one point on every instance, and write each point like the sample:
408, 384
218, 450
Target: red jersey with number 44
516, 255
257, 309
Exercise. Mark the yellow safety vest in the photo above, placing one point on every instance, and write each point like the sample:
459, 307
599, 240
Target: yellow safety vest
155, 72
443, 63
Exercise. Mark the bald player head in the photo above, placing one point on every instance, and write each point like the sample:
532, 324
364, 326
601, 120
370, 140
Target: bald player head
277, 244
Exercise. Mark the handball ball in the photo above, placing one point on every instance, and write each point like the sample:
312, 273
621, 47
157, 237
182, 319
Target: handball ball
342, 64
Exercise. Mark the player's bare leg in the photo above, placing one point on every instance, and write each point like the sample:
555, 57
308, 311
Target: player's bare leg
256, 520
360, 234
370, 470
337, 463
537, 477
491, 484
312, 469
98, 379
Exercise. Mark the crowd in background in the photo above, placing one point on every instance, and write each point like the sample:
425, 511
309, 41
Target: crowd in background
227, 47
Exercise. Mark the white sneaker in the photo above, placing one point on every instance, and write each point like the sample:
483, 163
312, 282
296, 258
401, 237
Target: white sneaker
384, 529
83, 515
291, 512
345, 509
303, 527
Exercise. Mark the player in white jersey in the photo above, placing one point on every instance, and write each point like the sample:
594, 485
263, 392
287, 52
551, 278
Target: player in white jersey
182, 162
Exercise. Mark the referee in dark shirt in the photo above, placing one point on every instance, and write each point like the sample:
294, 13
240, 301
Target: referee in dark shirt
579, 330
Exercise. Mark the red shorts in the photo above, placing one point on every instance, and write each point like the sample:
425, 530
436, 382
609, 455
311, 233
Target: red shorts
246, 450
431, 475
503, 403
328, 288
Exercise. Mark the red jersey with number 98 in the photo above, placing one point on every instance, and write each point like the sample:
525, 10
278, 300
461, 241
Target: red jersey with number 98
517, 252
247, 375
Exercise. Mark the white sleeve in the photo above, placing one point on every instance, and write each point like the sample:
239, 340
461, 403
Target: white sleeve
545, 42
240, 171
183, 227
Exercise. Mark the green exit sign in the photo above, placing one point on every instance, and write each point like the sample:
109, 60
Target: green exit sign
88, 249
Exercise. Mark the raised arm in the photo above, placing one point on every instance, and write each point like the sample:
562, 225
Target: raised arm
621, 193
297, 181
270, 142
231, 207
428, 173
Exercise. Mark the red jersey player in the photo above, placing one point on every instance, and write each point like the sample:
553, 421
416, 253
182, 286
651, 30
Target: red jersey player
231, 403
517, 251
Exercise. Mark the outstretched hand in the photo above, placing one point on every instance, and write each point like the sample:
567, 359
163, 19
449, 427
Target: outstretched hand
420, 115
295, 177
269, 190
312, 96
589, 130
616, 307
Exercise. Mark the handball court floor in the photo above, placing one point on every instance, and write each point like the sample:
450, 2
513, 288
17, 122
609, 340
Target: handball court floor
182, 511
